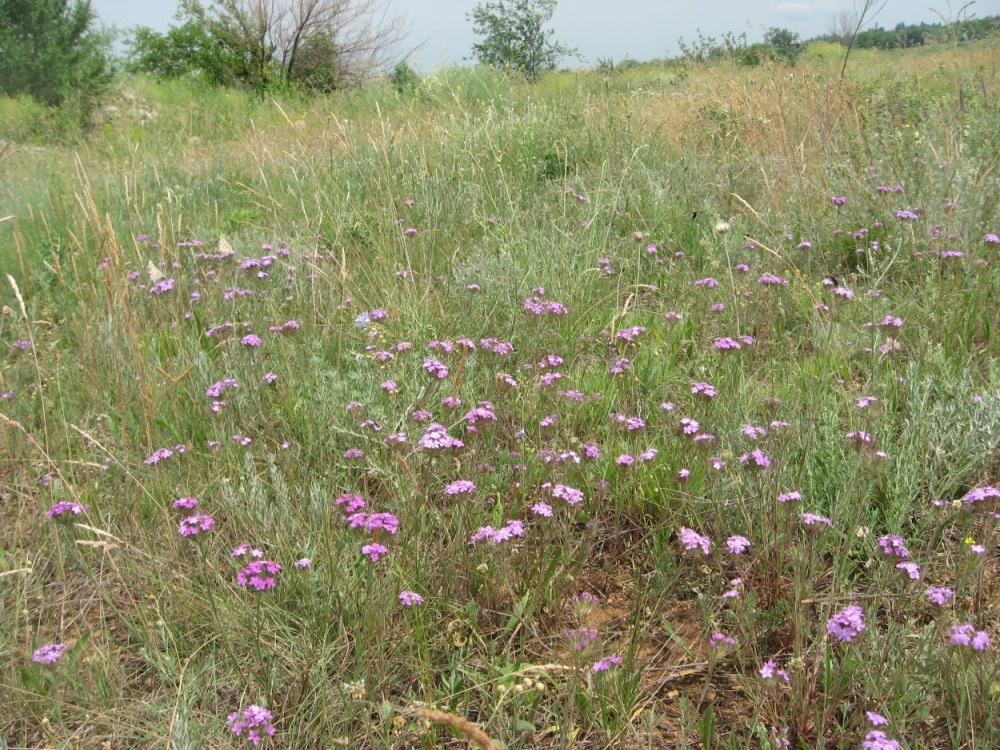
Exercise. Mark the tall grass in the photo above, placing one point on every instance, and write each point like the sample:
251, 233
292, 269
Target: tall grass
666, 210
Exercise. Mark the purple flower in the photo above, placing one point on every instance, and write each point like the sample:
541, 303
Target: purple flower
581, 638
48, 653
620, 366
840, 200
893, 546
374, 550
389, 386
435, 437
354, 453
625, 460
811, 519
461, 487
991, 239
720, 640
435, 368
193, 524
25, 344
707, 282
876, 740
259, 574
846, 624
571, 495
705, 390
410, 598
603, 665
756, 459
877, 720
305, 562
967, 635
250, 340
769, 279
542, 509
691, 539
737, 545
911, 568
512, 529
185, 503
770, 671
270, 378
372, 521
255, 719
939, 595
65, 507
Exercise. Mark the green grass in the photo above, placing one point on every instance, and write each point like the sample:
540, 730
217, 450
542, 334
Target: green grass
563, 185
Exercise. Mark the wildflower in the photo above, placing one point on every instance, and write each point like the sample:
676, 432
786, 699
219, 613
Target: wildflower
753, 433
864, 402
581, 638
718, 307
65, 506
811, 519
512, 529
160, 454
846, 624
373, 521
590, 450
193, 524
410, 598
250, 340
259, 574
548, 421
981, 493
461, 487
877, 720
707, 282
24, 344
756, 459
967, 635
705, 390
435, 368
769, 279
603, 665
770, 671
630, 334
241, 439
625, 460
351, 503
185, 503
893, 546
726, 344
255, 719
734, 592
911, 568
245, 549
270, 378
991, 239
737, 545
691, 539
720, 640
877, 740
436, 437
571, 495
48, 653
689, 426
542, 509
788, 497
840, 200
649, 454
939, 595
305, 562
620, 365
389, 386
374, 550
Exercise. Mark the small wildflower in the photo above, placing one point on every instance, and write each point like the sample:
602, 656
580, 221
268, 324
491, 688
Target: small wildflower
603, 665
720, 640
939, 595
193, 524
410, 598
48, 653
254, 721
65, 507
691, 540
737, 545
770, 671
259, 574
461, 487
846, 624
374, 550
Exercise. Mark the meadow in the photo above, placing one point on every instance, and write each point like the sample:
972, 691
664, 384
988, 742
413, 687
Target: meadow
638, 408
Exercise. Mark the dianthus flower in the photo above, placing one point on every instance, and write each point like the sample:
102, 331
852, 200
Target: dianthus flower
461, 487
48, 653
254, 721
374, 550
737, 545
65, 507
846, 624
603, 665
193, 524
939, 595
691, 539
410, 598
571, 495
259, 575
893, 546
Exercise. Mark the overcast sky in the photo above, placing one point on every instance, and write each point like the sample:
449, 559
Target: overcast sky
598, 29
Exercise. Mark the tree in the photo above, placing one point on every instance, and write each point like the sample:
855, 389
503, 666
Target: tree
315, 44
513, 36
50, 50
786, 44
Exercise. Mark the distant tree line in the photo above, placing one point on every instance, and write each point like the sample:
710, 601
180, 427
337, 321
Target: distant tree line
915, 35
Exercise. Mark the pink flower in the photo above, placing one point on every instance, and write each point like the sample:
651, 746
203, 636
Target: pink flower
847, 624
374, 550
693, 540
410, 598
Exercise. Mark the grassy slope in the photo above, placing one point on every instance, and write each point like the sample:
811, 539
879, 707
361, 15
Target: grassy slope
512, 187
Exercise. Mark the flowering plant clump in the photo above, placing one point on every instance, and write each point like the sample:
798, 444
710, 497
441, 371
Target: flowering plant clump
66, 508
193, 524
259, 574
255, 721
48, 653
847, 624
